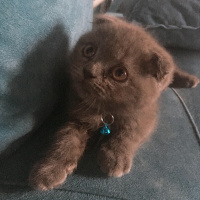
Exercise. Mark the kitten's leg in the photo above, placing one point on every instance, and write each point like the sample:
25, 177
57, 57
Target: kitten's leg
115, 158
116, 155
61, 159
184, 80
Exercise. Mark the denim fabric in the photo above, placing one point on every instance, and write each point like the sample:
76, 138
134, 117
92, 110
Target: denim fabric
35, 39
174, 23
166, 167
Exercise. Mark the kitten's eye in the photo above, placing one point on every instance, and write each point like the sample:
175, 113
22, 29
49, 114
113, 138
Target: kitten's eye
89, 51
119, 74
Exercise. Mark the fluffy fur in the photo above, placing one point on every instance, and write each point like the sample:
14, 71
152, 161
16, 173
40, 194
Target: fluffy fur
117, 69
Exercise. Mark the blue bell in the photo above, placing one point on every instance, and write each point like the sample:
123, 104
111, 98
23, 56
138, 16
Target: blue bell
105, 130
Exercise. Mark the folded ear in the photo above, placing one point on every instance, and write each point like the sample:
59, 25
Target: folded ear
157, 66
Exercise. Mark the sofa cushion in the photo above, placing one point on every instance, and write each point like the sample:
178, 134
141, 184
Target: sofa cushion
174, 23
35, 38
189, 61
166, 166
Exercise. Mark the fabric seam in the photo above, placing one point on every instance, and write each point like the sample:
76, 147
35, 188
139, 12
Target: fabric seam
89, 193
172, 27
22, 185
194, 125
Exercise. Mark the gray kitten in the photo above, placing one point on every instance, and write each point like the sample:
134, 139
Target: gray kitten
118, 73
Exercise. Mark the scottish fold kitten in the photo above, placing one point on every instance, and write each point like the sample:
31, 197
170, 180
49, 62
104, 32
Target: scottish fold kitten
118, 73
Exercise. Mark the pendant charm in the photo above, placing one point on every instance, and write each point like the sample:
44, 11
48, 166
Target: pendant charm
106, 120
105, 130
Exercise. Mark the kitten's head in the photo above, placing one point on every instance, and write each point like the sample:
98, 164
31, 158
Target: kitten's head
119, 65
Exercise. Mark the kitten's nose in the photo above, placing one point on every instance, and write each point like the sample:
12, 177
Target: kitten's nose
88, 74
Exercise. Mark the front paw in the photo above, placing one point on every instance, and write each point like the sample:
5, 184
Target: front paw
48, 175
192, 81
114, 163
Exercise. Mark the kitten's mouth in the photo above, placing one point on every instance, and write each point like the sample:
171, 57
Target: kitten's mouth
96, 89
99, 90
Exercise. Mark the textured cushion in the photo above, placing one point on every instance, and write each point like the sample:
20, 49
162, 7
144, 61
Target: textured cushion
174, 23
190, 62
166, 167
35, 38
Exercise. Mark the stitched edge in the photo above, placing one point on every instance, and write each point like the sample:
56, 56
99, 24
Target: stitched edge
26, 188
197, 133
90, 193
168, 26
172, 27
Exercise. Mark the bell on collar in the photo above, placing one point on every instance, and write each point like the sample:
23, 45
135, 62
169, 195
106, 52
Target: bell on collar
104, 130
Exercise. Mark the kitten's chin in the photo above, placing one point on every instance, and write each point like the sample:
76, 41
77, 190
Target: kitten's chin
92, 94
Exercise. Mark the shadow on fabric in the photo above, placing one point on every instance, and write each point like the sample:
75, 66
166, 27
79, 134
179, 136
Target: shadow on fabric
41, 88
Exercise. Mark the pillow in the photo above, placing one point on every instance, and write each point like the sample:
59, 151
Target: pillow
174, 23
35, 37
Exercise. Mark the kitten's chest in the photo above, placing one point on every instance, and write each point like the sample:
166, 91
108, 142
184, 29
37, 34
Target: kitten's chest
93, 122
